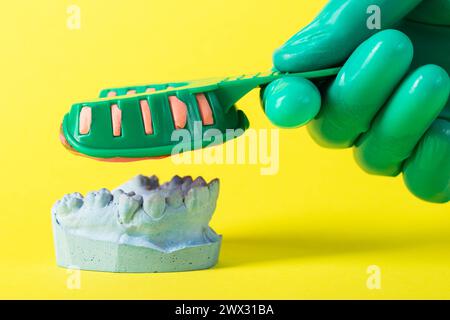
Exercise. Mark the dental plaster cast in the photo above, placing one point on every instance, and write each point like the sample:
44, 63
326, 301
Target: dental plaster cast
141, 226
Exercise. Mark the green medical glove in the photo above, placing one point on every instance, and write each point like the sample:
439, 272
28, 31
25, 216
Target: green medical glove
391, 98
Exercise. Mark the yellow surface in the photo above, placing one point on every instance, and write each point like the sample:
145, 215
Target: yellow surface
311, 231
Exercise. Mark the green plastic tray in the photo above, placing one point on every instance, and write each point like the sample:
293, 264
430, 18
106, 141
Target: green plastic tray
134, 143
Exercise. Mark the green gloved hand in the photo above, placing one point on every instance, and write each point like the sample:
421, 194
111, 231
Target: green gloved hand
391, 98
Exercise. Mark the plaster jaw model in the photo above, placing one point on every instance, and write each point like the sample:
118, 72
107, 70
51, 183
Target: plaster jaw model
141, 226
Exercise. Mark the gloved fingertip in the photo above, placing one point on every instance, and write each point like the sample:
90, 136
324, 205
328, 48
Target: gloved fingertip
427, 172
300, 58
291, 102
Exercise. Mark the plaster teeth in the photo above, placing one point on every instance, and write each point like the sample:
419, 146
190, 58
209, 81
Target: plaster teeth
75, 201
214, 187
62, 208
103, 198
196, 198
89, 200
69, 203
175, 181
154, 205
175, 198
198, 182
153, 182
128, 205
171, 216
148, 183
186, 184
116, 195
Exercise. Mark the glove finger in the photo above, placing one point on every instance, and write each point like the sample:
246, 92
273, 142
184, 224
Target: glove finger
336, 32
403, 121
427, 172
361, 88
291, 102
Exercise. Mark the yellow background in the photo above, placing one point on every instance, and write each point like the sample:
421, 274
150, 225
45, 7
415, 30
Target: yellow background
310, 231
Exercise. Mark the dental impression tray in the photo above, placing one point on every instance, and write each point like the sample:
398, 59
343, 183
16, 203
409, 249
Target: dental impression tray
139, 227
134, 123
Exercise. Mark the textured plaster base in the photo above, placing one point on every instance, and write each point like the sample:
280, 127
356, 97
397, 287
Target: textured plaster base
73, 251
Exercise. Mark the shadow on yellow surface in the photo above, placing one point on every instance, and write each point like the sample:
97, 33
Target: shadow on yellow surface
281, 246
